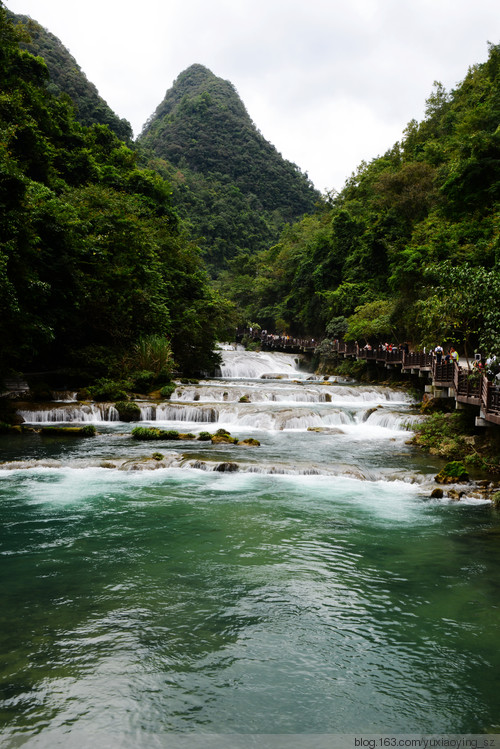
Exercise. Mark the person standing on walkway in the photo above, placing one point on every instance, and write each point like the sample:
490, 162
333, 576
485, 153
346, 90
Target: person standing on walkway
439, 353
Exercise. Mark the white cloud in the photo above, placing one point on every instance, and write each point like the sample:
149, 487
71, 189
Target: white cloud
328, 82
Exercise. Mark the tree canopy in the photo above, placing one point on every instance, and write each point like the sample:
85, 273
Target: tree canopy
234, 187
431, 201
93, 255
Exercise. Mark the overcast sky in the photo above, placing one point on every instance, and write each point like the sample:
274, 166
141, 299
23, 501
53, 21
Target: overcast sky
329, 82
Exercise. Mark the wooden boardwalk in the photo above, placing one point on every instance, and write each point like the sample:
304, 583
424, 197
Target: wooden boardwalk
447, 379
465, 385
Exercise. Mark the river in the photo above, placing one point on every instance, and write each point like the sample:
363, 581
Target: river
305, 586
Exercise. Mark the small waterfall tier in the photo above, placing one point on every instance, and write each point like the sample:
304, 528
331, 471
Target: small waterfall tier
253, 365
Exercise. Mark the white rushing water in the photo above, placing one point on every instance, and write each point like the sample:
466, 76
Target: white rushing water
306, 425
238, 364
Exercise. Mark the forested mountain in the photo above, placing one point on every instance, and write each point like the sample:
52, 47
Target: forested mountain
410, 248
67, 77
235, 188
93, 257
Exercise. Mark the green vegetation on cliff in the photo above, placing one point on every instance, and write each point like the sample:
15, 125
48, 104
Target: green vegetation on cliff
235, 188
410, 248
93, 256
66, 77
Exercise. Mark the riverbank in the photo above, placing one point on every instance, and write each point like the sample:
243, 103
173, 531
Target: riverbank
443, 432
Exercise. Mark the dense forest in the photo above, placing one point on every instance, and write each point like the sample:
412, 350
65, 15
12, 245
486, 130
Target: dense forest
104, 243
232, 185
409, 249
94, 260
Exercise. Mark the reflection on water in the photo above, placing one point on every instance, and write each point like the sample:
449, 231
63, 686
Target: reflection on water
313, 589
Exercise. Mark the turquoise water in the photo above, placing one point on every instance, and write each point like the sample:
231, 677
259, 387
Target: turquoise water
190, 601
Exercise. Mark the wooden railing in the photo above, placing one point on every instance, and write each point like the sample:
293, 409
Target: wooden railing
469, 386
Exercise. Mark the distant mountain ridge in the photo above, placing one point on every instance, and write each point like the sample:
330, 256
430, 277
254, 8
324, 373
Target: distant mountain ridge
67, 77
230, 185
203, 124
226, 169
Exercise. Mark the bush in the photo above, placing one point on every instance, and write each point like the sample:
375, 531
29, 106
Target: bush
164, 377
154, 353
40, 391
128, 411
143, 381
146, 433
108, 390
453, 471
167, 391
88, 431
456, 469
204, 436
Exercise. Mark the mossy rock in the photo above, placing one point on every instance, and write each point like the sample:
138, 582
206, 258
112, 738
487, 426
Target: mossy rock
87, 431
128, 411
187, 436
436, 405
244, 399
146, 433
452, 472
205, 436
226, 439
250, 442
157, 456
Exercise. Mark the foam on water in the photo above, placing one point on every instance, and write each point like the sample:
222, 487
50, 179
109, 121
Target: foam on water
254, 364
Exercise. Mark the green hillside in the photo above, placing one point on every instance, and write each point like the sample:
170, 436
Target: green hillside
67, 77
235, 188
94, 261
410, 248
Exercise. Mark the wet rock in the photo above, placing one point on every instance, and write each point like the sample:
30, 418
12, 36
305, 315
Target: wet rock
454, 494
227, 467
250, 442
437, 494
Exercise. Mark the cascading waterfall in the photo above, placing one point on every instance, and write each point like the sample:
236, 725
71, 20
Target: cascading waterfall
203, 414
92, 413
254, 365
